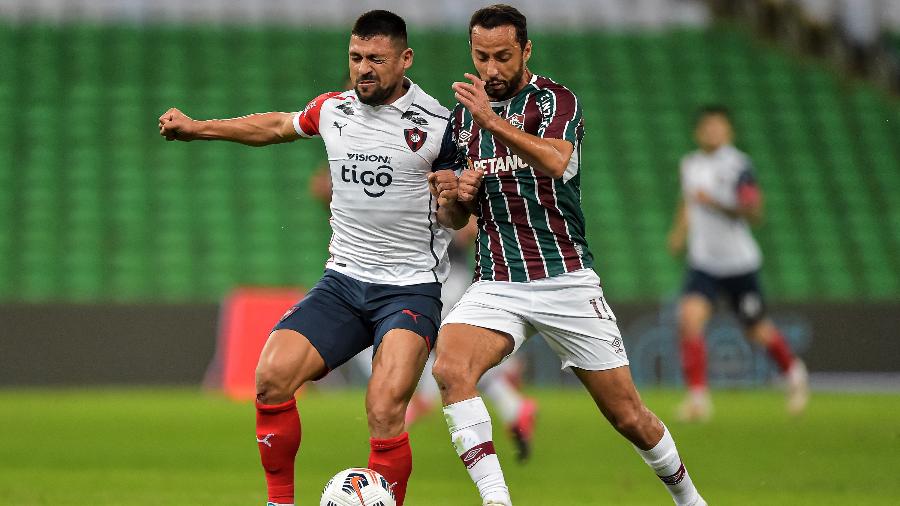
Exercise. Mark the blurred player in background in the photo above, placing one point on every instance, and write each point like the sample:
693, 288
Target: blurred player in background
720, 198
381, 287
522, 134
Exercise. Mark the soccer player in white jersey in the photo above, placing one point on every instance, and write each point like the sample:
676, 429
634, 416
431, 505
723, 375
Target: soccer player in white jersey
720, 197
385, 139
522, 135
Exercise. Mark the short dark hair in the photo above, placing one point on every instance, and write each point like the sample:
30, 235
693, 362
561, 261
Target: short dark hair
381, 22
712, 110
501, 15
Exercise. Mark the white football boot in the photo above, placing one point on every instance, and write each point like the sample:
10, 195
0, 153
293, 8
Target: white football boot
797, 379
497, 500
696, 407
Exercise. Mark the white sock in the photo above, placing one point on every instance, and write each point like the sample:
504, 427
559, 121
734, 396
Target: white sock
505, 397
667, 465
470, 432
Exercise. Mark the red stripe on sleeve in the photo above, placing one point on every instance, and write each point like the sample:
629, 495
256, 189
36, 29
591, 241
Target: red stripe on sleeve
749, 195
308, 118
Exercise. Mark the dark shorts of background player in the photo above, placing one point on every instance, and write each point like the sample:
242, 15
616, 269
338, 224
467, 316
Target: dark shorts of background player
743, 293
342, 316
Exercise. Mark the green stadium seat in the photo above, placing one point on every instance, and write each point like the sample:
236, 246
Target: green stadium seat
137, 219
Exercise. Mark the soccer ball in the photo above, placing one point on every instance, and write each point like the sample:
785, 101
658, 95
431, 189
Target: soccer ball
357, 486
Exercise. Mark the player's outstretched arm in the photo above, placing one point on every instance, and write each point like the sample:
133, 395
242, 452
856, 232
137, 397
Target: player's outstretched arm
253, 130
550, 156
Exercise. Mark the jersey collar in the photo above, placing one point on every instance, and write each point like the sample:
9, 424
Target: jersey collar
402, 104
722, 150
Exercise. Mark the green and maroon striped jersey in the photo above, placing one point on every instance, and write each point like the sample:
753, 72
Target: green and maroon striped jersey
530, 226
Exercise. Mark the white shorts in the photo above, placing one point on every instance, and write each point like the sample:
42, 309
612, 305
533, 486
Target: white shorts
569, 310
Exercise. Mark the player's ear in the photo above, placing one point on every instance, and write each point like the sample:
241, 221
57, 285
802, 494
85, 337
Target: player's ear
526, 53
407, 56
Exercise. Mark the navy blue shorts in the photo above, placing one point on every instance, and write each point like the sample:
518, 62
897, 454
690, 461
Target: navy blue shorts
743, 292
342, 316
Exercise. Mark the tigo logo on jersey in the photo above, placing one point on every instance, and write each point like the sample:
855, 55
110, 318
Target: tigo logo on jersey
368, 178
415, 138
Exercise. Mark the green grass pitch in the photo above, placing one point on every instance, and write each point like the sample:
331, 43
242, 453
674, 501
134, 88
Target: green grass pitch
155, 447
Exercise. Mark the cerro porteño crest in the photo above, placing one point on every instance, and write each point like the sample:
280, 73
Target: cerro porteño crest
415, 138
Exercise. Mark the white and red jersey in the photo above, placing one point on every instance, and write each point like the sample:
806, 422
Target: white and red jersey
383, 216
719, 244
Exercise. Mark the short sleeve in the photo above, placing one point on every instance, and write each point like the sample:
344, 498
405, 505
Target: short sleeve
561, 116
747, 189
306, 122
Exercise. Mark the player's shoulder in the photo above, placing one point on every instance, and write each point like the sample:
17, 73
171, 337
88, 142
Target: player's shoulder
429, 109
691, 157
545, 85
740, 160
334, 96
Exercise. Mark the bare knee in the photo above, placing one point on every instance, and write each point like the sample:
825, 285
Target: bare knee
692, 317
690, 327
453, 374
386, 412
638, 424
760, 332
274, 383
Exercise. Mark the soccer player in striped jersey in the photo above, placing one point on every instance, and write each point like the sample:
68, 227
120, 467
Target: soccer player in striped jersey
720, 198
522, 134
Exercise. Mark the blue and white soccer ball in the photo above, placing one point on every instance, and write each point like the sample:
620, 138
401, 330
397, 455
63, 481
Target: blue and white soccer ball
357, 486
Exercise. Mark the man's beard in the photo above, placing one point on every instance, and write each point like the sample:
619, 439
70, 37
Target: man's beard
507, 91
378, 95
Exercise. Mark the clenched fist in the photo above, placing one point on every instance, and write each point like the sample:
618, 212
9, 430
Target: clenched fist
175, 125
443, 185
469, 184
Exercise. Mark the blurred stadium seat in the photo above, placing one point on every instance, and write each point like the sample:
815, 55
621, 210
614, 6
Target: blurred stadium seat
96, 208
